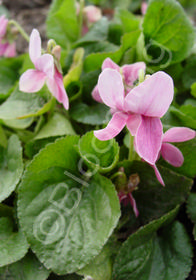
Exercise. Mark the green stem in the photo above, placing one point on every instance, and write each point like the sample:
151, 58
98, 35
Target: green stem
117, 174
20, 29
131, 148
81, 17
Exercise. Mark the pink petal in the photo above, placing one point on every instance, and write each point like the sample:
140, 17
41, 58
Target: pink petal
148, 139
158, 175
96, 95
123, 198
34, 46
108, 63
131, 72
152, 97
133, 123
10, 50
45, 63
133, 204
113, 128
172, 154
144, 7
111, 88
92, 13
3, 48
178, 134
56, 87
32, 81
3, 25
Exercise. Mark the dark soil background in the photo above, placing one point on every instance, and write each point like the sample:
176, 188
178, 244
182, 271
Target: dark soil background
32, 14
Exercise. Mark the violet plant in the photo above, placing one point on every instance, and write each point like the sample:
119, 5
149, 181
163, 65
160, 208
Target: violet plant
97, 142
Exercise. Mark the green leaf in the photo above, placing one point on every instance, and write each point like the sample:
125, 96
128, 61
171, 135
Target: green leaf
97, 33
6, 211
34, 146
13, 244
58, 125
98, 155
63, 216
94, 61
188, 150
193, 89
11, 167
22, 105
29, 268
153, 200
76, 68
129, 21
94, 115
4, 11
18, 124
3, 138
101, 267
169, 34
189, 75
62, 24
163, 256
9, 74
191, 210
183, 115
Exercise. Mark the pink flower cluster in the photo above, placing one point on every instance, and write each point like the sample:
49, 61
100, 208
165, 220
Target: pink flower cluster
140, 109
45, 72
7, 48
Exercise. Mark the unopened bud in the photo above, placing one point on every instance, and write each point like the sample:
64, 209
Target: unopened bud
141, 75
92, 13
57, 52
133, 182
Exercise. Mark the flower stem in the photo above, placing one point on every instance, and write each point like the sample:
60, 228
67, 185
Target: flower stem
20, 29
81, 17
131, 148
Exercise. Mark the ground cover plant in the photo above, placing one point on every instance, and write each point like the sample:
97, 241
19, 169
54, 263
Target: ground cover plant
97, 143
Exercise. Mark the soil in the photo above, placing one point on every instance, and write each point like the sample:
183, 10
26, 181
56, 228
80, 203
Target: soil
30, 14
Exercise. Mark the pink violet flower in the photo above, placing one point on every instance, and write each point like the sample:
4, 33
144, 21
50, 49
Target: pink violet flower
141, 110
45, 72
130, 74
169, 152
7, 49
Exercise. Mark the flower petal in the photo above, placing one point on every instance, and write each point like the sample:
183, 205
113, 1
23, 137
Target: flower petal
148, 139
32, 81
10, 50
133, 123
34, 45
3, 25
111, 88
178, 134
45, 63
108, 63
56, 87
158, 175
96, 95
133, 204
114, 127
172, 154
131, 72
152, 97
